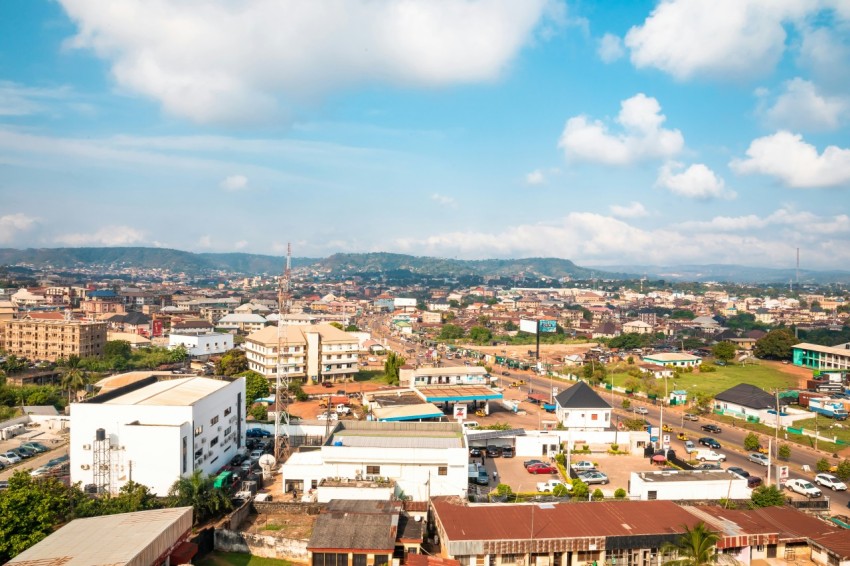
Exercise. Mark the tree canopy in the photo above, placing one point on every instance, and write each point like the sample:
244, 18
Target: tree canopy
697, 546
724, 351
232, 362
776, 345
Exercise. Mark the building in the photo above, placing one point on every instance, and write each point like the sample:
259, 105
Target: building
418, 460
316, 353
637, 327
241, 322
447, 386
816, 356
673, 359
143, 538
682, 485
580, 407
53, 339
155, 431
102, 301
201, 345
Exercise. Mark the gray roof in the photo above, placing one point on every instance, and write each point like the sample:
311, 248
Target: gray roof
356, 525
747, 395
580, 396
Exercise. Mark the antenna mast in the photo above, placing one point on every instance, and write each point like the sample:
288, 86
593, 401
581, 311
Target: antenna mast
281, 397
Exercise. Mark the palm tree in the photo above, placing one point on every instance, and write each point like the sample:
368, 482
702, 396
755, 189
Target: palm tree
694, 547
73, 377
198, 492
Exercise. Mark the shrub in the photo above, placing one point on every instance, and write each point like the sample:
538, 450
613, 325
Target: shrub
620, 493
615, 448
785, 452
822, 465
597, 495
751, 442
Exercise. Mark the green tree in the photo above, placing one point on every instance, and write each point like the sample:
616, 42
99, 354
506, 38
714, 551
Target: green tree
597, 495
697, 546
580, 490
451, 332
560, 491
784, 452
256, 386
198, 492
231, 363
620, 493
73, 379
337, 325
775, 345
131, 497
843, 470
13, 365
352, 328
259, 411
178, 354
724, 351
767, 496
392, 368
822, 465
510, 326
117, 349
480, 334
751, 442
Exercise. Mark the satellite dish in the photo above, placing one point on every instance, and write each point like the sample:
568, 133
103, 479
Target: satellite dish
267, 461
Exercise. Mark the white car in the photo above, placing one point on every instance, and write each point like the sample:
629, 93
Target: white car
710, 456
326, 416
550, 485
583, 465
759, 459
830, 481
9, 458
803, 487
641, 410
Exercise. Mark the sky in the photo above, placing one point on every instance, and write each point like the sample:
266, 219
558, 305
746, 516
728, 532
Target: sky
611, 132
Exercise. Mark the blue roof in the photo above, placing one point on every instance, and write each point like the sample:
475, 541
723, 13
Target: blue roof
103, 293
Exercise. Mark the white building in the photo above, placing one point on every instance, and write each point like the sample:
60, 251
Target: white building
581, 408
199, 345
692, 485
674, 359
157, 431
453, 375
422, 459
241, 322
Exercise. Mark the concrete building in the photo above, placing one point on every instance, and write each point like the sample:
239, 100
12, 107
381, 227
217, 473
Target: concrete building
155, 431
241, 322
202, 345
682, 485
418, 460
815, 356
102, 301
673, 359
581, 408
315, 353
53, 339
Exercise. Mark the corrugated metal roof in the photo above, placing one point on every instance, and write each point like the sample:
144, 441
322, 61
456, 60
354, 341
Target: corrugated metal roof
458, 392
174, 392
452, 370
131, 539
407, 412
398, 442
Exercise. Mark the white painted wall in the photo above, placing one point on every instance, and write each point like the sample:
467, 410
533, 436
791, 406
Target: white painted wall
202, 344
725, 485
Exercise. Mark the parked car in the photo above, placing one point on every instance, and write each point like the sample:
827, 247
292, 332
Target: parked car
583, 465
682, 436
37, 446
475, 452
506, 373
710, 442
712, 428
593, 477
710, 456
254, 456
641, 410
753, 482
803, 487
508, 452
528, 463
542, 469
830, 481
738, 471
494, 451
708, 466
257, 433
9, 457
550, 485
759, 459
327, 384
24, 453
691, 417
689, 446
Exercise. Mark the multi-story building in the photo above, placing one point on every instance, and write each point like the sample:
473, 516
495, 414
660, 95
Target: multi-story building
53, 339
316, 353
103, 301
155, 431
202, 345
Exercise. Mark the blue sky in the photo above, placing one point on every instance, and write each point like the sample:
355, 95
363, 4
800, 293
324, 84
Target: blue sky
686, 131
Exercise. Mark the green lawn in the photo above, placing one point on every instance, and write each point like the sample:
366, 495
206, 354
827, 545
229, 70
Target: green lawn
826, 427
238, 559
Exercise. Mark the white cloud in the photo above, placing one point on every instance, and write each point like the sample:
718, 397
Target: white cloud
799, 222
697, 181
19, 100
106, 236
802, 107
13, 224
240, 245
536, 177
205, 241
720, 38
229, 61
643, 136
633, 210
235, 183
610, 48
443, 199
794, 162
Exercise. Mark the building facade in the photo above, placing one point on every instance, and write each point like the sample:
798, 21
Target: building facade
200, 345
53, 339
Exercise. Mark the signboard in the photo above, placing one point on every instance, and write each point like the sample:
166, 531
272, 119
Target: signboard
665, 441
460, 412
781, 474
529, 326
403, 302
548, 326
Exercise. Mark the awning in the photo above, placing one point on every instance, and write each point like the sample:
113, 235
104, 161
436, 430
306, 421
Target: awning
659, 458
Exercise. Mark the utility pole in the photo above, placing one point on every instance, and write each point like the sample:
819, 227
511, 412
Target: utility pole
284, 299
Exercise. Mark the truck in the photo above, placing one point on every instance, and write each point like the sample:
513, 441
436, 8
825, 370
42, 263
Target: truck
828, 407
709, 456
478, 474
550, 485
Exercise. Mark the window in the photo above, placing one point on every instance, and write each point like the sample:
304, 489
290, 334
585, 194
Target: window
228, 430
213, 442
652, 495
380, 559
227, 411
373, 470
199, 430
442, 471
213, 420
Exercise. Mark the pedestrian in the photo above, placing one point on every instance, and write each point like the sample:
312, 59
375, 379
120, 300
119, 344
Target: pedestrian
495, 477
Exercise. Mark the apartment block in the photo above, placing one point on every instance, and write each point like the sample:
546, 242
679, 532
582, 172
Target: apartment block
53, 339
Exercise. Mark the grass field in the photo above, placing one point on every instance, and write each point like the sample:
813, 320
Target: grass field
762, 376
238, 559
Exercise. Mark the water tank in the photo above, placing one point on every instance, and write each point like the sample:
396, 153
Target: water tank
100, 434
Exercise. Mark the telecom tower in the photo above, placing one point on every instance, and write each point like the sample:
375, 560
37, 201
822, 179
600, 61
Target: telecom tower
281, 397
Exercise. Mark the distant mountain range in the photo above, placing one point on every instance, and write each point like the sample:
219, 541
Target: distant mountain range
353, 263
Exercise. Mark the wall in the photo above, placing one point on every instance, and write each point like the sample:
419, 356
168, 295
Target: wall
725, 486
266, 546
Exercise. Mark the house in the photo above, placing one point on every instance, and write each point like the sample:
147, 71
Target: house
682, 485
580, 407
52, 339
242, 322
673, 359
202, 345
637, 327
745, 401
657, 371
606, 329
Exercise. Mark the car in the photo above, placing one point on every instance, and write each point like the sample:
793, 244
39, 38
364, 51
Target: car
593, 477
507, 452
37, 446
542, 469
667, 428
506, 373
689, 446
708, 466
327, 384
710, 456
237, 459
257, 433
9, 457
24, 453
494, 451
641, 410
710, 442
759, 459
327, 416
682, 436
475, 452
712, 428
254, 456
735, 470
550, 485
691, 417
753, 482
528, 463
583, 465
803, 487
830, 481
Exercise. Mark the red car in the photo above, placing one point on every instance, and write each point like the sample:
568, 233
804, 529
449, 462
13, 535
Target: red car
541, 469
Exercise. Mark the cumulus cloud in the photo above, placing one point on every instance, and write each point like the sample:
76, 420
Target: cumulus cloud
642, 137
802, 107
536, 177
235, 183
697, 181
106, 236
610, 48
13, 224
632, 210
205, 241
445, 200
799, 222
721, 38
234, 61
794, 162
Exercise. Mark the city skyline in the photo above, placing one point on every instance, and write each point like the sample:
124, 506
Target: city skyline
608, 133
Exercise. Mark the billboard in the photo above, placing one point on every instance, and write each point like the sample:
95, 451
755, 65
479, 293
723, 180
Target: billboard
401, 302
460, 412
529, 326
548, 325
